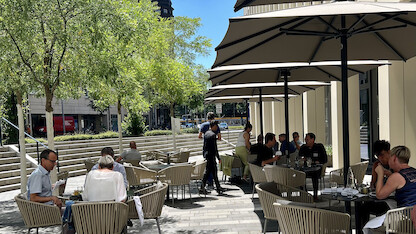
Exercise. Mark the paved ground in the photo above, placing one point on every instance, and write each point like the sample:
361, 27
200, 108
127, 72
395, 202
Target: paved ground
234, 212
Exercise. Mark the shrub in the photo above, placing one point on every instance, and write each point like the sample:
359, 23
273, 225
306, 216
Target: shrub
158, 132
108, 134
134, 124
190, 130
29, 140
240, 127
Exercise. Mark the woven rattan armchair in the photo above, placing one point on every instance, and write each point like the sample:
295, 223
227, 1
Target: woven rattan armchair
285, 176
62, 175
399, 221
89, 163
310, 220
178, 175
269, 192
359, 170
257, 174
137, 176
152, 199
36, 215
134, 162
99, 217
181, 157
198, 171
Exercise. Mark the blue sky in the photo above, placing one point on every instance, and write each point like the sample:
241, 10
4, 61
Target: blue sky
214, 16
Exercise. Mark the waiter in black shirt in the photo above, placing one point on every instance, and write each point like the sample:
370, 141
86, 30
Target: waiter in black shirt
210, 154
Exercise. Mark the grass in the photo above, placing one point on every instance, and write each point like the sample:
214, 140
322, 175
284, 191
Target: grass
236, 127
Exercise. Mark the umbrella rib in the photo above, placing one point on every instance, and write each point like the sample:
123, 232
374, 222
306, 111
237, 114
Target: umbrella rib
403, 21
255, 34
294, 91
307, 87
357, 22
369, 26
320, 42
308, 33
225, 73
229, 78
261, 43
328, 24
381, 29
329, 74
388, 44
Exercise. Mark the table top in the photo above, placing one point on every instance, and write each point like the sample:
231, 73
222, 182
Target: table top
158, 167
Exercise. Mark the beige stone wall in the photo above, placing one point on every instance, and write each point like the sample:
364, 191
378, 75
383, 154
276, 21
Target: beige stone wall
397, 112
314, 113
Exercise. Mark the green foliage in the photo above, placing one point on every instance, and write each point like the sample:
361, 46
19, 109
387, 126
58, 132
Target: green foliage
104, 135
158, 132
190, 130
10, 113
240, 127
328, 149
134, 124
30, 140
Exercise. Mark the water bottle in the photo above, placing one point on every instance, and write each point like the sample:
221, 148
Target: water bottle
351, 179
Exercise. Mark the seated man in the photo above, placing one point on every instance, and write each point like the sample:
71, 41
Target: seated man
265, 153
104, 184
117, 166
315, 151
382, 151
254, 149
39, 188
284, 145
131, 154
297, 143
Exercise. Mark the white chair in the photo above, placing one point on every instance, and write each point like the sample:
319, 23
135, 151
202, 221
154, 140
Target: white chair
285, 176
178, 175
399, 221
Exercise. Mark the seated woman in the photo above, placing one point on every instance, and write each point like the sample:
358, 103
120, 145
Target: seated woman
402, 181
104, 184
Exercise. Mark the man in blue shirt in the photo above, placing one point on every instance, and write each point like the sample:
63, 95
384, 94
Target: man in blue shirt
284, 145
116, 167
39, 188
205, 126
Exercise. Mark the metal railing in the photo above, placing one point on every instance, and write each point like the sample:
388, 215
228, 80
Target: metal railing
26, 134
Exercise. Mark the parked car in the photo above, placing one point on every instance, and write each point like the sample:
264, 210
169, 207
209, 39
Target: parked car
190, 125
223, 126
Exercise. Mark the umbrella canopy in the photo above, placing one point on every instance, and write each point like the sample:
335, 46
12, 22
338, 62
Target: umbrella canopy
362, 30
244, 3
371, 28
271, 72
244, 98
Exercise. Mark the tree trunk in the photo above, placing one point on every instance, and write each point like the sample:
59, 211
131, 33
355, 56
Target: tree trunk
120, 133
21, 121
50, 131
172, 125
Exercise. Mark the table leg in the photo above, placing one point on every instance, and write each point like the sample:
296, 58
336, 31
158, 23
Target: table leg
315, 184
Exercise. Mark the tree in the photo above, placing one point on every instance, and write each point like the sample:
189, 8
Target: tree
121, 62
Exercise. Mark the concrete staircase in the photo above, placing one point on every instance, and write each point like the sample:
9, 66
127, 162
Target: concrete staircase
363, 135
73, 153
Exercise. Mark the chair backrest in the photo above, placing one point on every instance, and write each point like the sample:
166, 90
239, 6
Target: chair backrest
257, 173
134, 162
294, 194
399, 221
285, 176
310, 220
89, 163
198, 170
38, 214
102, 189
62, 175
139, 176
268, 194
152, 199
359, 170
184, 155
176, 175
131, 176
323, 170
99, 217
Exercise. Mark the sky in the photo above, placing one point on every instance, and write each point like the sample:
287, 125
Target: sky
214, 16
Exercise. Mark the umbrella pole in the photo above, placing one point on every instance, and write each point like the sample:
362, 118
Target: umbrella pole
261, 111
286, 74
345, 121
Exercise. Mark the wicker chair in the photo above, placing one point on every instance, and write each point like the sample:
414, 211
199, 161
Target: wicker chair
198, 170
269, 192
285, 176
323, 175
296, 219
257, 174
152, 199
181, 157
36, 215
134, 162
233, 162
137, 176
62, 175
178, 175
399, 221
99, 217
89, 163
359, 170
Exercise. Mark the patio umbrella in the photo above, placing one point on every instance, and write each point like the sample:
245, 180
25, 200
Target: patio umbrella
321, 33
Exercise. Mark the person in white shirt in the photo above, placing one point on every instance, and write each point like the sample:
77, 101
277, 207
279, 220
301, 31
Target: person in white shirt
104, 184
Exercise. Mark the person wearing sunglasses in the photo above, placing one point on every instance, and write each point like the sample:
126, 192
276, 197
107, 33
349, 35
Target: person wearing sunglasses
39, 188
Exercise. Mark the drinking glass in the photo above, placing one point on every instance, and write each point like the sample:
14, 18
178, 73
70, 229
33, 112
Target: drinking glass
334, 187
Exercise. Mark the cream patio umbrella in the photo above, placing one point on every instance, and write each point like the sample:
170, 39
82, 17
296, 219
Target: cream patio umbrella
244, 3
326, 32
